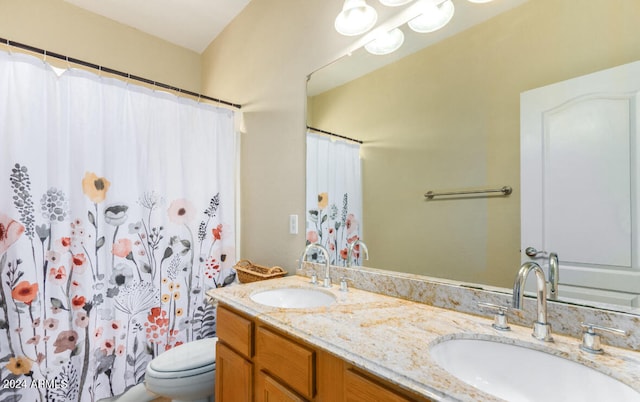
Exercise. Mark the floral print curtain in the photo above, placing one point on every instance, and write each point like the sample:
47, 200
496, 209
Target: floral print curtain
334, 197
116, 215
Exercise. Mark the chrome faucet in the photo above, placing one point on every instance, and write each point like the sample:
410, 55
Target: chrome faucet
327, 279
554, 274
554, 269
352, 246
541, 329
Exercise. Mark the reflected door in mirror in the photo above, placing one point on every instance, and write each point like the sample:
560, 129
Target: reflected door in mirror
579, 182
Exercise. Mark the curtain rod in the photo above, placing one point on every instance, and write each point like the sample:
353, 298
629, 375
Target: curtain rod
68, 59
333, 134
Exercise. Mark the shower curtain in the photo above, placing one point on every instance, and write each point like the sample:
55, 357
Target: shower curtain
334, 197
116, 215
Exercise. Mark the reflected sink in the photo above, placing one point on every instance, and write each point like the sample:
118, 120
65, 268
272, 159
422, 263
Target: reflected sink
516, 373
294, 297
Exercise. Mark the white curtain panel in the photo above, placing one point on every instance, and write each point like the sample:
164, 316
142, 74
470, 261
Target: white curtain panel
116, 215
334, 196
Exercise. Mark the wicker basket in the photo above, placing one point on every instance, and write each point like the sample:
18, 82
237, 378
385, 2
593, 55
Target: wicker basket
250, 272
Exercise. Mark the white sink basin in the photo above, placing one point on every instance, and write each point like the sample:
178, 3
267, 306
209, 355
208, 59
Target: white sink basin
516, 373
294, 297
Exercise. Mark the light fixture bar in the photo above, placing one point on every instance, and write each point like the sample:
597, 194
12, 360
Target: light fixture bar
395, 3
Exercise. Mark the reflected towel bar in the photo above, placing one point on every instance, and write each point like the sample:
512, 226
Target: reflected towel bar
506, 190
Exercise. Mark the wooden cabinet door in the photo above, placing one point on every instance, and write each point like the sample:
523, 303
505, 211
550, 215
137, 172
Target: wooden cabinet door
234, 381
273, 391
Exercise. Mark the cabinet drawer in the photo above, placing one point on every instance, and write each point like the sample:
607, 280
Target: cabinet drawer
276, 392
286, 360
236, 331
359, 388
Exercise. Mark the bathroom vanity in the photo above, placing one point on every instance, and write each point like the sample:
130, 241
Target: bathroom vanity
255, 358
364, 346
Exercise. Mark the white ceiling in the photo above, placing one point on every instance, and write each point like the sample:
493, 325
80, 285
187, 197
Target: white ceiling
192, 24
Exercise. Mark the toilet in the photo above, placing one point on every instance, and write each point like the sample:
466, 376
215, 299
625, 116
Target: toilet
184, 373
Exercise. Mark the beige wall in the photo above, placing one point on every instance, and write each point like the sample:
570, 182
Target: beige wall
261, 61
448, 118
60, 27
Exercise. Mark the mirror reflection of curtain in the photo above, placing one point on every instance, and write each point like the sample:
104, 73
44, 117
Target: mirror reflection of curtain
116, 215
334, 196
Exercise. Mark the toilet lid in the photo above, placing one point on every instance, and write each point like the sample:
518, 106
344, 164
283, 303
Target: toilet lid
186, 357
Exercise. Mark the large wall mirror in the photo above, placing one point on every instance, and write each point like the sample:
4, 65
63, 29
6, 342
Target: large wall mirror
447, 117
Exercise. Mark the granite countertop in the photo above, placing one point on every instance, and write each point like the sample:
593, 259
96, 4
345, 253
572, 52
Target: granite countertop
390, 337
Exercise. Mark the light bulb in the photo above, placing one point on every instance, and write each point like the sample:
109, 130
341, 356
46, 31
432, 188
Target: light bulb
386, 42
433, 17
356, 17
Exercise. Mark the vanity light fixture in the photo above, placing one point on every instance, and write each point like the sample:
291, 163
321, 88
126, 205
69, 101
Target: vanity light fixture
433, 17
356, 17
394, 3
386, 42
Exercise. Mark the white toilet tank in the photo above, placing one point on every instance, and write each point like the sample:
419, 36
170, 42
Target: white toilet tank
184, 373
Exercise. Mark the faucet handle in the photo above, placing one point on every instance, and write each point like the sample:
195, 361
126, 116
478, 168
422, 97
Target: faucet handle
500, 318
343, 283
314, 279
591, 340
